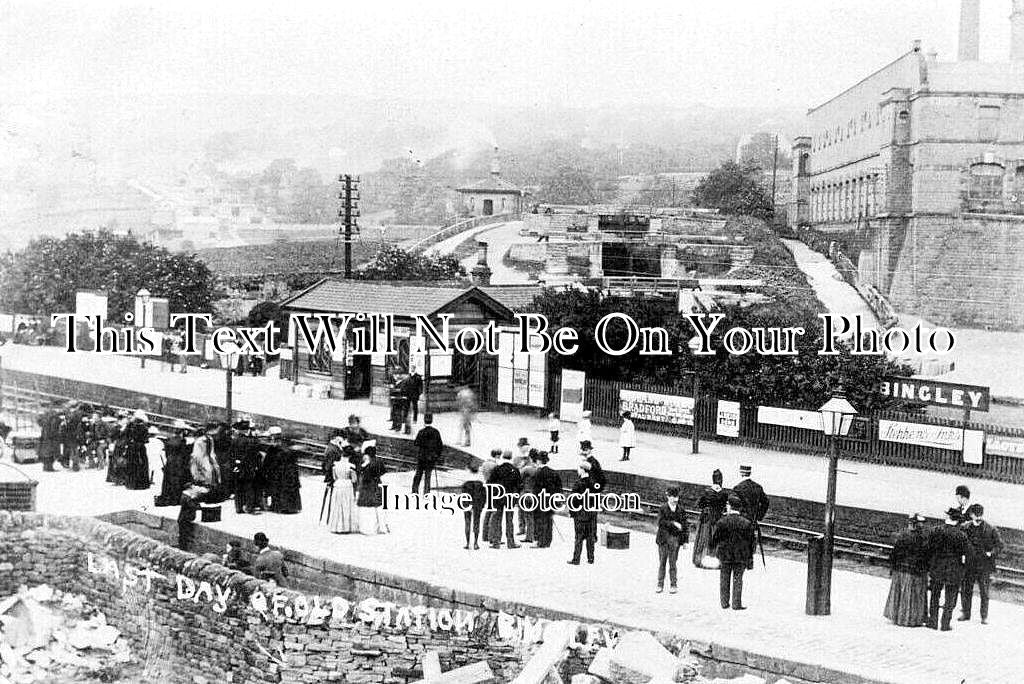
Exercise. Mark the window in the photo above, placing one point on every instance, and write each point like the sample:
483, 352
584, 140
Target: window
320, 361
988, 122
986, 181
802, 164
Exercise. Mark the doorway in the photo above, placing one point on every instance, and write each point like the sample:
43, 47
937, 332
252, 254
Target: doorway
488, 207
357, 377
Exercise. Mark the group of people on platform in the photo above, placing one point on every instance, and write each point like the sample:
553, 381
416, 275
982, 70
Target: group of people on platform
76, 435
404, 392
352, 474
931, 568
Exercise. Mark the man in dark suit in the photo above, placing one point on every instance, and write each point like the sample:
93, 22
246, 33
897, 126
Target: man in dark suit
507, 476
413, 389
733, 540
753, 503
245, 460
984, 545
947, 552
268, 563
584, 518
429, 447
49, 437
963, 502
673, 532
546, 480
597, 476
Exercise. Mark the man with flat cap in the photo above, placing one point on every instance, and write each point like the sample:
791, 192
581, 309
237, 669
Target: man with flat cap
947, 552
268, 564
753, 503
733, 541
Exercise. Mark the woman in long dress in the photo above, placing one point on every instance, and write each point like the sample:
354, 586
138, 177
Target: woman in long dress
117, 437
282, 475
369, 501
907, 604
712, 506
342, 518
137, 461
177, 451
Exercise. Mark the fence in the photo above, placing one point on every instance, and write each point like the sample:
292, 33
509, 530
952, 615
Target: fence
602, 398
459, 227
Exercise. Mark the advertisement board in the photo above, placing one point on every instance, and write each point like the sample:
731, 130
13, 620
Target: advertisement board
728, 423
935, 436
659, 408
570, 405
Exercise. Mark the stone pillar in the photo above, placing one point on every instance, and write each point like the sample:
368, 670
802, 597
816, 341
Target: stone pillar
669, 261
596, 255
557, 259
481, 273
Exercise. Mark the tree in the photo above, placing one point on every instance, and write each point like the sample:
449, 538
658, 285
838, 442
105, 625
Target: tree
568, 185
394, 263
734, 189
42, 278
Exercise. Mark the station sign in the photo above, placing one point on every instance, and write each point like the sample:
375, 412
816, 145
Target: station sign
926, 391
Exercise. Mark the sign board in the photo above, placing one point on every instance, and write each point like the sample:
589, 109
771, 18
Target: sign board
728, 423
570, 406
809, 420
658, 408
521, 375
935, 436
973, 442
1001, 445
926, 391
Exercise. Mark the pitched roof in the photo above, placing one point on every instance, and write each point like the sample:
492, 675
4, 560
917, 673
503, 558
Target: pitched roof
493, 183
518, 297
367, 296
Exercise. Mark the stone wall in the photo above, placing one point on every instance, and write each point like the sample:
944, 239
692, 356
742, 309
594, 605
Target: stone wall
962, 272
190, 620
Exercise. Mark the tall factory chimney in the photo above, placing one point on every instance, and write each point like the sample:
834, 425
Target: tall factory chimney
970, 13
1017, 30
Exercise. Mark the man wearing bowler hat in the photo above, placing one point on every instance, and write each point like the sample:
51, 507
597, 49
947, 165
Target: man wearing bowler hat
733, 541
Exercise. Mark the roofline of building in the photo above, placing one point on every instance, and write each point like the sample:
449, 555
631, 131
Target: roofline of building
464, 293
504, 191
872, 74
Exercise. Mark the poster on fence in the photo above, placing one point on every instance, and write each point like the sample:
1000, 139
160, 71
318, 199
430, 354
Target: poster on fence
570, 407
658, 408
809, 420
1000, 445
973, 442
728, 424
935, 436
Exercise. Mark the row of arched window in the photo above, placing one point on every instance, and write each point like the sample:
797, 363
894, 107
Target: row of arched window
846, 200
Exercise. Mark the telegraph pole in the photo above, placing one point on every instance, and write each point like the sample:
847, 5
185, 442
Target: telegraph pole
775, 166
349, 214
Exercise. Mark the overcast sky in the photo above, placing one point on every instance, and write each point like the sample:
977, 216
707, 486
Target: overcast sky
721, 52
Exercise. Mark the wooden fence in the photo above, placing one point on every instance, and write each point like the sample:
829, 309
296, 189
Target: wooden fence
601, 397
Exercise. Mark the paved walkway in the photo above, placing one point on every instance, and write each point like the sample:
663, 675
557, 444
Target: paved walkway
834, 292
619, 588
787, 474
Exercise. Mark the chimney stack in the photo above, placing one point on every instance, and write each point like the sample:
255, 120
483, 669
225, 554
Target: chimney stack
1017, 30
481, 273
970, 13
495, 169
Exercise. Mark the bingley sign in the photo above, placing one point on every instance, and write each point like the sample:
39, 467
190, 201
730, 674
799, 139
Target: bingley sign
927, 391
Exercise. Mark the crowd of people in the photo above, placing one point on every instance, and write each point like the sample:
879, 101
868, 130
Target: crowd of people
195, 466
931, 568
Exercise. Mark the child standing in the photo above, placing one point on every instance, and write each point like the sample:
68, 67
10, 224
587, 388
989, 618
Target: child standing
554, 425
627, 435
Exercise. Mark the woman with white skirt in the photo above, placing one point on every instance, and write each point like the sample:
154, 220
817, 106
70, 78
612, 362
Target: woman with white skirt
370, 501
342, 517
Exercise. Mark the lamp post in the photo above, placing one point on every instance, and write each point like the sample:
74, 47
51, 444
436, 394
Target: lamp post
836, 417
143, 316
229, 359
694, 345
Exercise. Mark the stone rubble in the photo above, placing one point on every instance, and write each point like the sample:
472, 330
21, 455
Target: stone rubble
47, 635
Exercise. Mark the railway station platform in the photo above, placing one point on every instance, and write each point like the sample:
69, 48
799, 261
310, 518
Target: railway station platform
855, 640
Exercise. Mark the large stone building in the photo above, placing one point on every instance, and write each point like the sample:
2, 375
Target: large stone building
491, 195
919, 170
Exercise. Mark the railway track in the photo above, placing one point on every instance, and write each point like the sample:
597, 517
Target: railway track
24, 405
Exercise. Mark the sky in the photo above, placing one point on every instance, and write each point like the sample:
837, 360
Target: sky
793, 53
